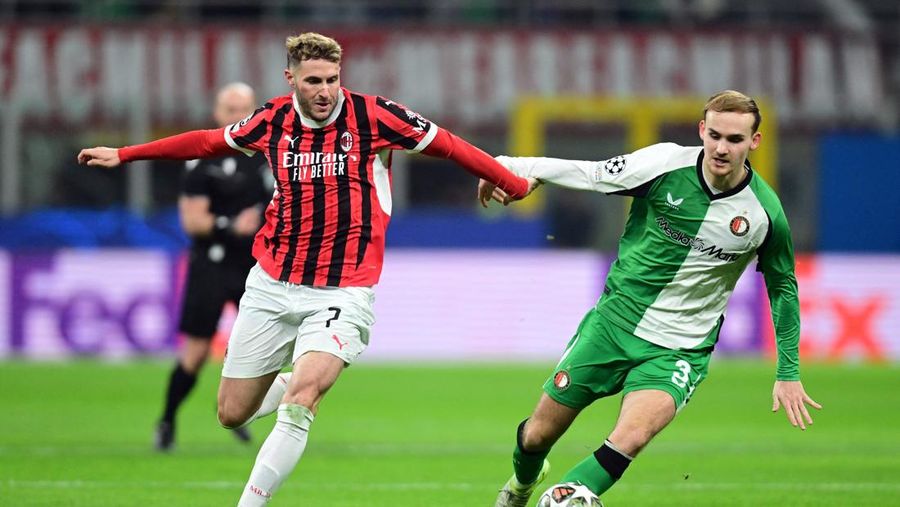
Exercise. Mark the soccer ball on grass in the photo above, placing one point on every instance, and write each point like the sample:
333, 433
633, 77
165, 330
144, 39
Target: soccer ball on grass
569, 494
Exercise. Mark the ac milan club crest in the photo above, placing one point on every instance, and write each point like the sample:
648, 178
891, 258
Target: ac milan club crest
739, 226
346, 141
561, 380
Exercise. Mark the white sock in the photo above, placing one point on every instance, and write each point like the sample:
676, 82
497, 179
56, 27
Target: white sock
278, 455
273, 397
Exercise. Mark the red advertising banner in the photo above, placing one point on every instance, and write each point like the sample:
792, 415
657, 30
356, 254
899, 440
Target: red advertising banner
82, 74
849, 307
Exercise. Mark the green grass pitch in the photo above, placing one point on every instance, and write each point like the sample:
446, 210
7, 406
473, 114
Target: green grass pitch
79, 434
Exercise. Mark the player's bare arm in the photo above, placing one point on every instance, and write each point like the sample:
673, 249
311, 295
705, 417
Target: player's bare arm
196, 219
247, 222
100, 156
791, 395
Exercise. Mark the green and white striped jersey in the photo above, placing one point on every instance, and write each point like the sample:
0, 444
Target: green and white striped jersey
684, 246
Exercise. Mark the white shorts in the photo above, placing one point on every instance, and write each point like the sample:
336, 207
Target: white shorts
277, 322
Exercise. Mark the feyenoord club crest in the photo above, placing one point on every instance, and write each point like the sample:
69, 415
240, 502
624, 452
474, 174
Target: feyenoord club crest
561, 380
739, 226
346, 141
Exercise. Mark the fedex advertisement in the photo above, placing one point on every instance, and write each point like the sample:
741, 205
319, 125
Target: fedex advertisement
440, 305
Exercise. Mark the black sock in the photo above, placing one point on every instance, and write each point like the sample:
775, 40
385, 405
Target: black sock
601, 470
527, 464
180, 385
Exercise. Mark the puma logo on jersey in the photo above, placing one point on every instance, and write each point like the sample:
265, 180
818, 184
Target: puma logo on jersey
291, 140
672, 202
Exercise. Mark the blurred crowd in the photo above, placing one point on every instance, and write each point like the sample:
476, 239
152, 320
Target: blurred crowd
46, 178
858, 15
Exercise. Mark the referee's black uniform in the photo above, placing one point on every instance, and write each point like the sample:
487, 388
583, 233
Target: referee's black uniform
219, 263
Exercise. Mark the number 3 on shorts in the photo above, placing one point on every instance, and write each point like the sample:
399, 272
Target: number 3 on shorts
681, 377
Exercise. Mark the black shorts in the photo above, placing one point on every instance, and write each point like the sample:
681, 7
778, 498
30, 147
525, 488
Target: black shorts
209, 286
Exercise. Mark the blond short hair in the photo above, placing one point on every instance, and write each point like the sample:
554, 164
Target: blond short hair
730, 101
311, 46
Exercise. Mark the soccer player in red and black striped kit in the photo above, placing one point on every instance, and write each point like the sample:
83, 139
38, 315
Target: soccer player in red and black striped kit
308, 300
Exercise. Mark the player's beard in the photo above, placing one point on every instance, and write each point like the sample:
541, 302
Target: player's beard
306, 107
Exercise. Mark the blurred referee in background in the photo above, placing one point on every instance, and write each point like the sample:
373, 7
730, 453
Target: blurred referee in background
220, 206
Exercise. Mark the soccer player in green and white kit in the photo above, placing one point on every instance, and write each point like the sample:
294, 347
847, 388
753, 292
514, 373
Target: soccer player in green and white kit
699, 217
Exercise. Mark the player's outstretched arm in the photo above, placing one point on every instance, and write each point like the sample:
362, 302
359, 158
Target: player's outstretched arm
791, 395
186, 146
101, 156
446, 145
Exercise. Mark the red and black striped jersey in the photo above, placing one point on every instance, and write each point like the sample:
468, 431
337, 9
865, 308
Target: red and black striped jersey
326, 222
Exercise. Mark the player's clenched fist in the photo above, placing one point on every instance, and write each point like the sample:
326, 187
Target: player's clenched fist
100, 156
